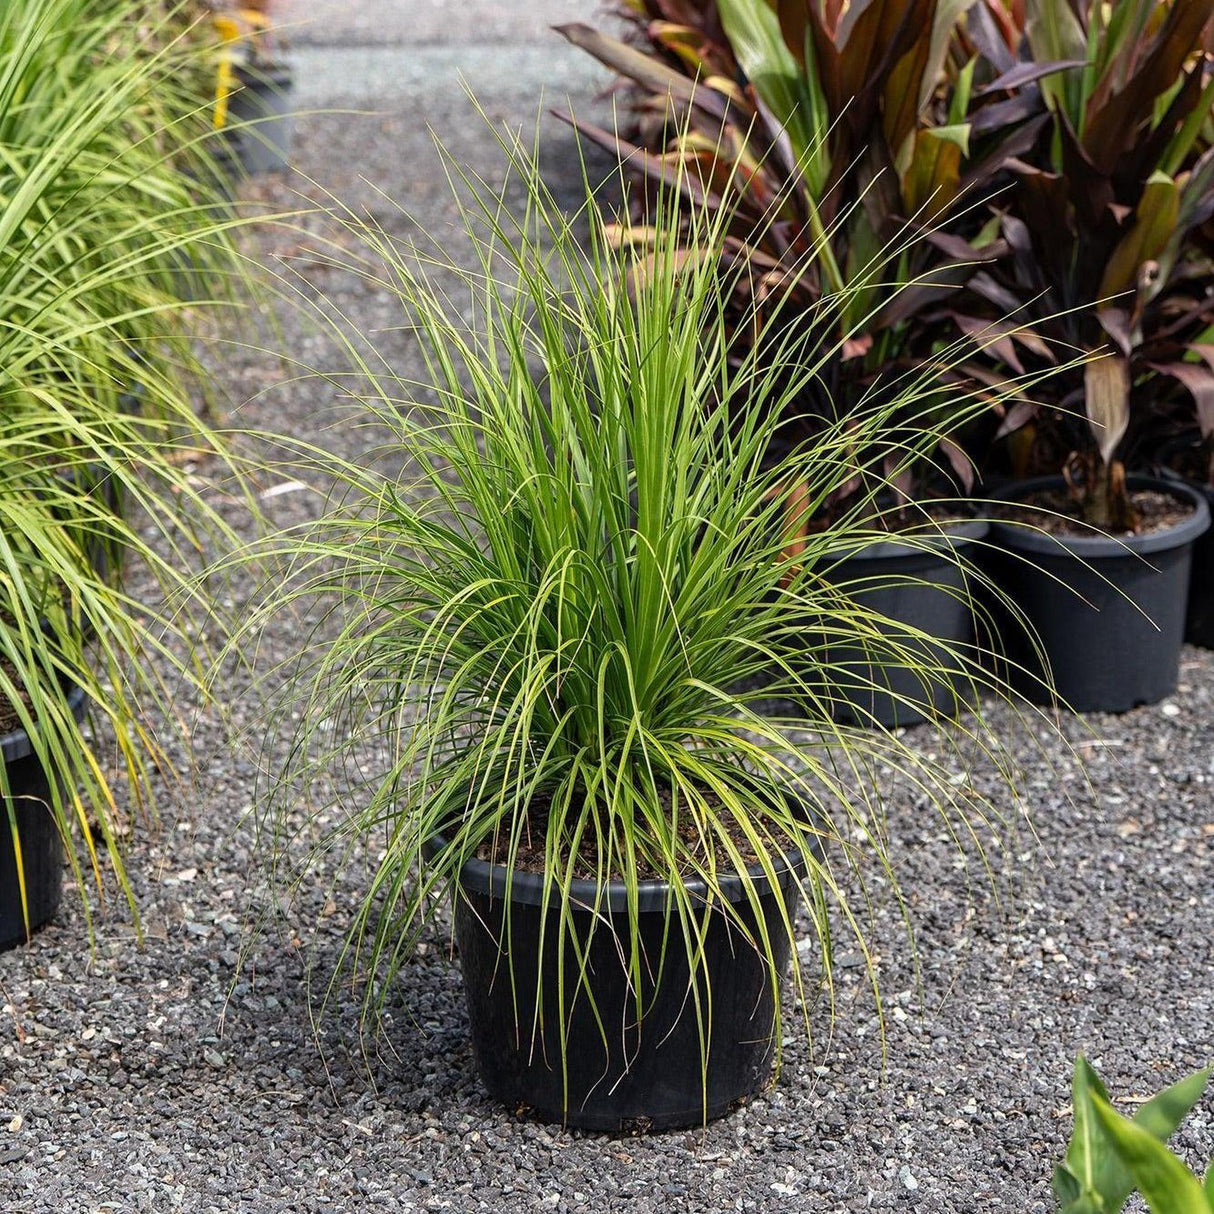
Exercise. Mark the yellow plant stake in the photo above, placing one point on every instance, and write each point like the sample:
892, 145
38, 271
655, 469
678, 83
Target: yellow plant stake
233, 29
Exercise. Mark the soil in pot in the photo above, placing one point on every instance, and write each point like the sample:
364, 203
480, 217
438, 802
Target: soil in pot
633, 1057
28, 799
924, 592
1105, 614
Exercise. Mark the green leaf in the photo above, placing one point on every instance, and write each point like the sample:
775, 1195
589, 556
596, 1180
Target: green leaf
1054, 33
787, 90
1066, 1187
1072, 1199
1189, 132
960, 103
1089, 1157
932, 180
1162, 1114
1166, 1184
948, 13
1155, 219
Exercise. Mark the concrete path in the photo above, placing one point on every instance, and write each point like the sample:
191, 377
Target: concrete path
363, 53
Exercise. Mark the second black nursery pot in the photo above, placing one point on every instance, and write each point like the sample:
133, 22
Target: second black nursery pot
1199, 622
633, 1059
923, 591
29, 796
1107, 614
263, 119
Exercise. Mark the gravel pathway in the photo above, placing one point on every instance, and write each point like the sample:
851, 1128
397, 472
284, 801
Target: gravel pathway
177, 1077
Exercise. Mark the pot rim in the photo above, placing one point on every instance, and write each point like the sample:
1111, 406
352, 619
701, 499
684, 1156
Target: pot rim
275, 74
497, 881
929, 543
1026, 538
1178, 478
16, 744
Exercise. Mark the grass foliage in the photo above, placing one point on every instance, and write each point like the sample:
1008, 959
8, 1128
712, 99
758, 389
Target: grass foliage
103, 198
561, 609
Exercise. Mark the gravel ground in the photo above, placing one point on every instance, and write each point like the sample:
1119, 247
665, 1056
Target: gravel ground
189, 1075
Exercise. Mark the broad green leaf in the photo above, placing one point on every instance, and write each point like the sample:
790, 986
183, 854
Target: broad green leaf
1189, 132
1066, 1187
865, 259
1054, 33
1072, 1199
960, 103
1166, 1184
931, 181
1089, 1157
1155, 219
754, 33
948, 13
1209, 1184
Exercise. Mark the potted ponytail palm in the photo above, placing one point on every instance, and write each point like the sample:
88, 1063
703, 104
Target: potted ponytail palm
559, 631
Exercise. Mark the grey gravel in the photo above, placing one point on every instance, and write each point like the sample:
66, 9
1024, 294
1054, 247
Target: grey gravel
188, 1075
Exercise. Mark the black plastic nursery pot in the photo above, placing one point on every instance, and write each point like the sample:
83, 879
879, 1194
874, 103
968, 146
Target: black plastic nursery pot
924, 588
1199, 621
1108, 613
624, 1071
41, 850
260, 112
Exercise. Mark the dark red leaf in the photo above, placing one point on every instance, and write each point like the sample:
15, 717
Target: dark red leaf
634, 159
1027, 73
981, 174
646, 70
1199, 381
1020, 414
962, 464
1090, 189
1116, 111
992, 336
1116, 323
984, 285
987, 38
1000, 114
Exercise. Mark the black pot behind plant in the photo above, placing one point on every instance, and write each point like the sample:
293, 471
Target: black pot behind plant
1108, 613
1199, 620
923, 587
622, 1072
29, 798
262, 119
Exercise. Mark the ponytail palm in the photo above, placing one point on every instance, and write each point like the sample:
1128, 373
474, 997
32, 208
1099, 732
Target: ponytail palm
555, 626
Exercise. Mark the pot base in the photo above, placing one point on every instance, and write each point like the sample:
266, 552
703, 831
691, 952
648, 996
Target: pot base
622, 1054
1106, 616
924, 594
